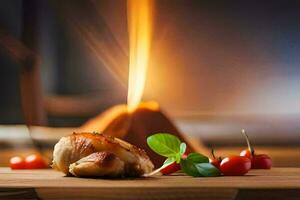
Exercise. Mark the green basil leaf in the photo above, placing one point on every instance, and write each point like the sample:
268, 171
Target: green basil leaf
197, 158
178, 158
198, 165
207, 169
182, 148
189, 168
164, 144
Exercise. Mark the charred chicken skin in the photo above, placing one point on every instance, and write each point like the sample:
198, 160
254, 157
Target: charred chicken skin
99, 155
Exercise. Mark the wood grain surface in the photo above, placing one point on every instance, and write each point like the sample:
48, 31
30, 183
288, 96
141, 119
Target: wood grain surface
278, 183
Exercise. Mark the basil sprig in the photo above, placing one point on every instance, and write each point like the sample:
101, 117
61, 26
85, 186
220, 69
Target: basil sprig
195, 164
198, 165
167, 145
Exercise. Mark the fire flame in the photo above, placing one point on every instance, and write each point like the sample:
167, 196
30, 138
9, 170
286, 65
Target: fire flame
139, 14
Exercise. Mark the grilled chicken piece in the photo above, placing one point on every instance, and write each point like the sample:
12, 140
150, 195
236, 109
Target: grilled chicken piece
98, 164
94, 155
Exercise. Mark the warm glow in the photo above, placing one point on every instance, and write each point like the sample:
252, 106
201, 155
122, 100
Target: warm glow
139, 28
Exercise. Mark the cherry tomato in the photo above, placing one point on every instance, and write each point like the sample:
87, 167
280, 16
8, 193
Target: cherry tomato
215, 162
258, 161
261, 161
235, 166
35, 161
17, 162
246, 153
171, 168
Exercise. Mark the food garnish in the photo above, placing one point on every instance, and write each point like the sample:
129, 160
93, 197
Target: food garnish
235, 166
17, 162
33, 161
258, 161
215, 161
193, 164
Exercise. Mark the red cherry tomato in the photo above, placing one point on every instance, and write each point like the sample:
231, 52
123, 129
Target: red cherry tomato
246, 153
261, 161
235, 166
17, 162
215, 162
35, 161
171, 168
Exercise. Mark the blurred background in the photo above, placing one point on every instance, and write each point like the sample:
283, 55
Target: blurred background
215, 67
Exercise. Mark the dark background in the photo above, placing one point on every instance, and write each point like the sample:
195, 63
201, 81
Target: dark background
209, 58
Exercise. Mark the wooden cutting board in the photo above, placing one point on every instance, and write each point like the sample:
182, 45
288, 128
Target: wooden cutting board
278, 183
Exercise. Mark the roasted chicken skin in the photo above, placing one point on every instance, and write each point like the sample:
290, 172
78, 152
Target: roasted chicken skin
99, 155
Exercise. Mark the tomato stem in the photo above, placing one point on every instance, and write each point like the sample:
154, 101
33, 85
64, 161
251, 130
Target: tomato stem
213, 153
248, 142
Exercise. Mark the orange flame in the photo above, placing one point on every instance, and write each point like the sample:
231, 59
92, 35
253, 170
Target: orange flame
139, 14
